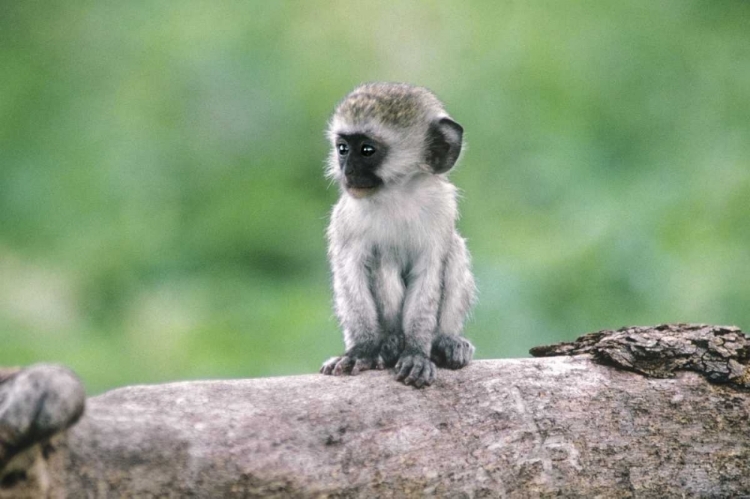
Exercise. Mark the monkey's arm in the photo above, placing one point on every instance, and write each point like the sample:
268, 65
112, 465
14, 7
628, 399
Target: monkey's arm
449, 349
420, 320
355, 309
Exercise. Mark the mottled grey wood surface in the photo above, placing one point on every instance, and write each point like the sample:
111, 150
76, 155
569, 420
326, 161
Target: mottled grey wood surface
560, 426
36, 404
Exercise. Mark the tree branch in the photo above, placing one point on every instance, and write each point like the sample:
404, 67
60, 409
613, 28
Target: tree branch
720, 353
501, 428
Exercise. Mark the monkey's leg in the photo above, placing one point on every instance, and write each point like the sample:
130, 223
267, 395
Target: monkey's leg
388, 289
414, 367
449, 348
356, 311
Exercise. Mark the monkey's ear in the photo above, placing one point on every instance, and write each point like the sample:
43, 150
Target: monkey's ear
444, 138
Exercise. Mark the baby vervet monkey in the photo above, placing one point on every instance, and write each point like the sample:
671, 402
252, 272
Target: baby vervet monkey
401, 272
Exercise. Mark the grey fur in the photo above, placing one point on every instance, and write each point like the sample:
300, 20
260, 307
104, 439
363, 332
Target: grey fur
401, 272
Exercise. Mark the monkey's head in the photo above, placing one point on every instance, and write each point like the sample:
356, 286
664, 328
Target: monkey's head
384, 134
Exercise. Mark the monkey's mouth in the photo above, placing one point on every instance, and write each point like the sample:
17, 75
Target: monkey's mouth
361, 192
361, 188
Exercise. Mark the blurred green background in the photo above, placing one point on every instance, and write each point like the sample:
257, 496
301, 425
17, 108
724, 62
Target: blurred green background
163, 206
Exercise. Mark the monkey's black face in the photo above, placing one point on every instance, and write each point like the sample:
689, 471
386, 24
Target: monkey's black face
360, 156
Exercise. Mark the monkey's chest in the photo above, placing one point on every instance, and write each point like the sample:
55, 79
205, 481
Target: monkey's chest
408, 233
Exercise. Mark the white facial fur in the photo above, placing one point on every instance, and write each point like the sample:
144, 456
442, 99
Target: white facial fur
406, 144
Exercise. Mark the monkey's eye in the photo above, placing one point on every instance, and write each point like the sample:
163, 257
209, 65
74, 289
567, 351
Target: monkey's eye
368, 150
343, 149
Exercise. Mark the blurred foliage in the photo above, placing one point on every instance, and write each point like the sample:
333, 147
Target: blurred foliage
162, 203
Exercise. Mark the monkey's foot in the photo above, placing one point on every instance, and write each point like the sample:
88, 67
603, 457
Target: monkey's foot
357, 359
415, 369
361, 357
453, 352
351, 365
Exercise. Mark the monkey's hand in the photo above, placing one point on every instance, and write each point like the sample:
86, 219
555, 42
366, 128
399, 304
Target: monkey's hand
361, 357
453, 352
414, 368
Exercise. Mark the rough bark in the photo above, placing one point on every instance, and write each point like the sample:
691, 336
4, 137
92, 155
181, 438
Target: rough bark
720, 353
565, 426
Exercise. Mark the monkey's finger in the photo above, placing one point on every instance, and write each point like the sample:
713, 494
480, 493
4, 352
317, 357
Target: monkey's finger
415, 376
343, 366
404, 367
361, 365
430, 373
427, 376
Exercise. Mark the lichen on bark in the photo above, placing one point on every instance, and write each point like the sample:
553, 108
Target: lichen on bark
720, 353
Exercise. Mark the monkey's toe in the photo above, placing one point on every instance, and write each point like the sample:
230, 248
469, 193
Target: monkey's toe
338, 365
343, 366
365, 364
329, 365
453, 352
416, 370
